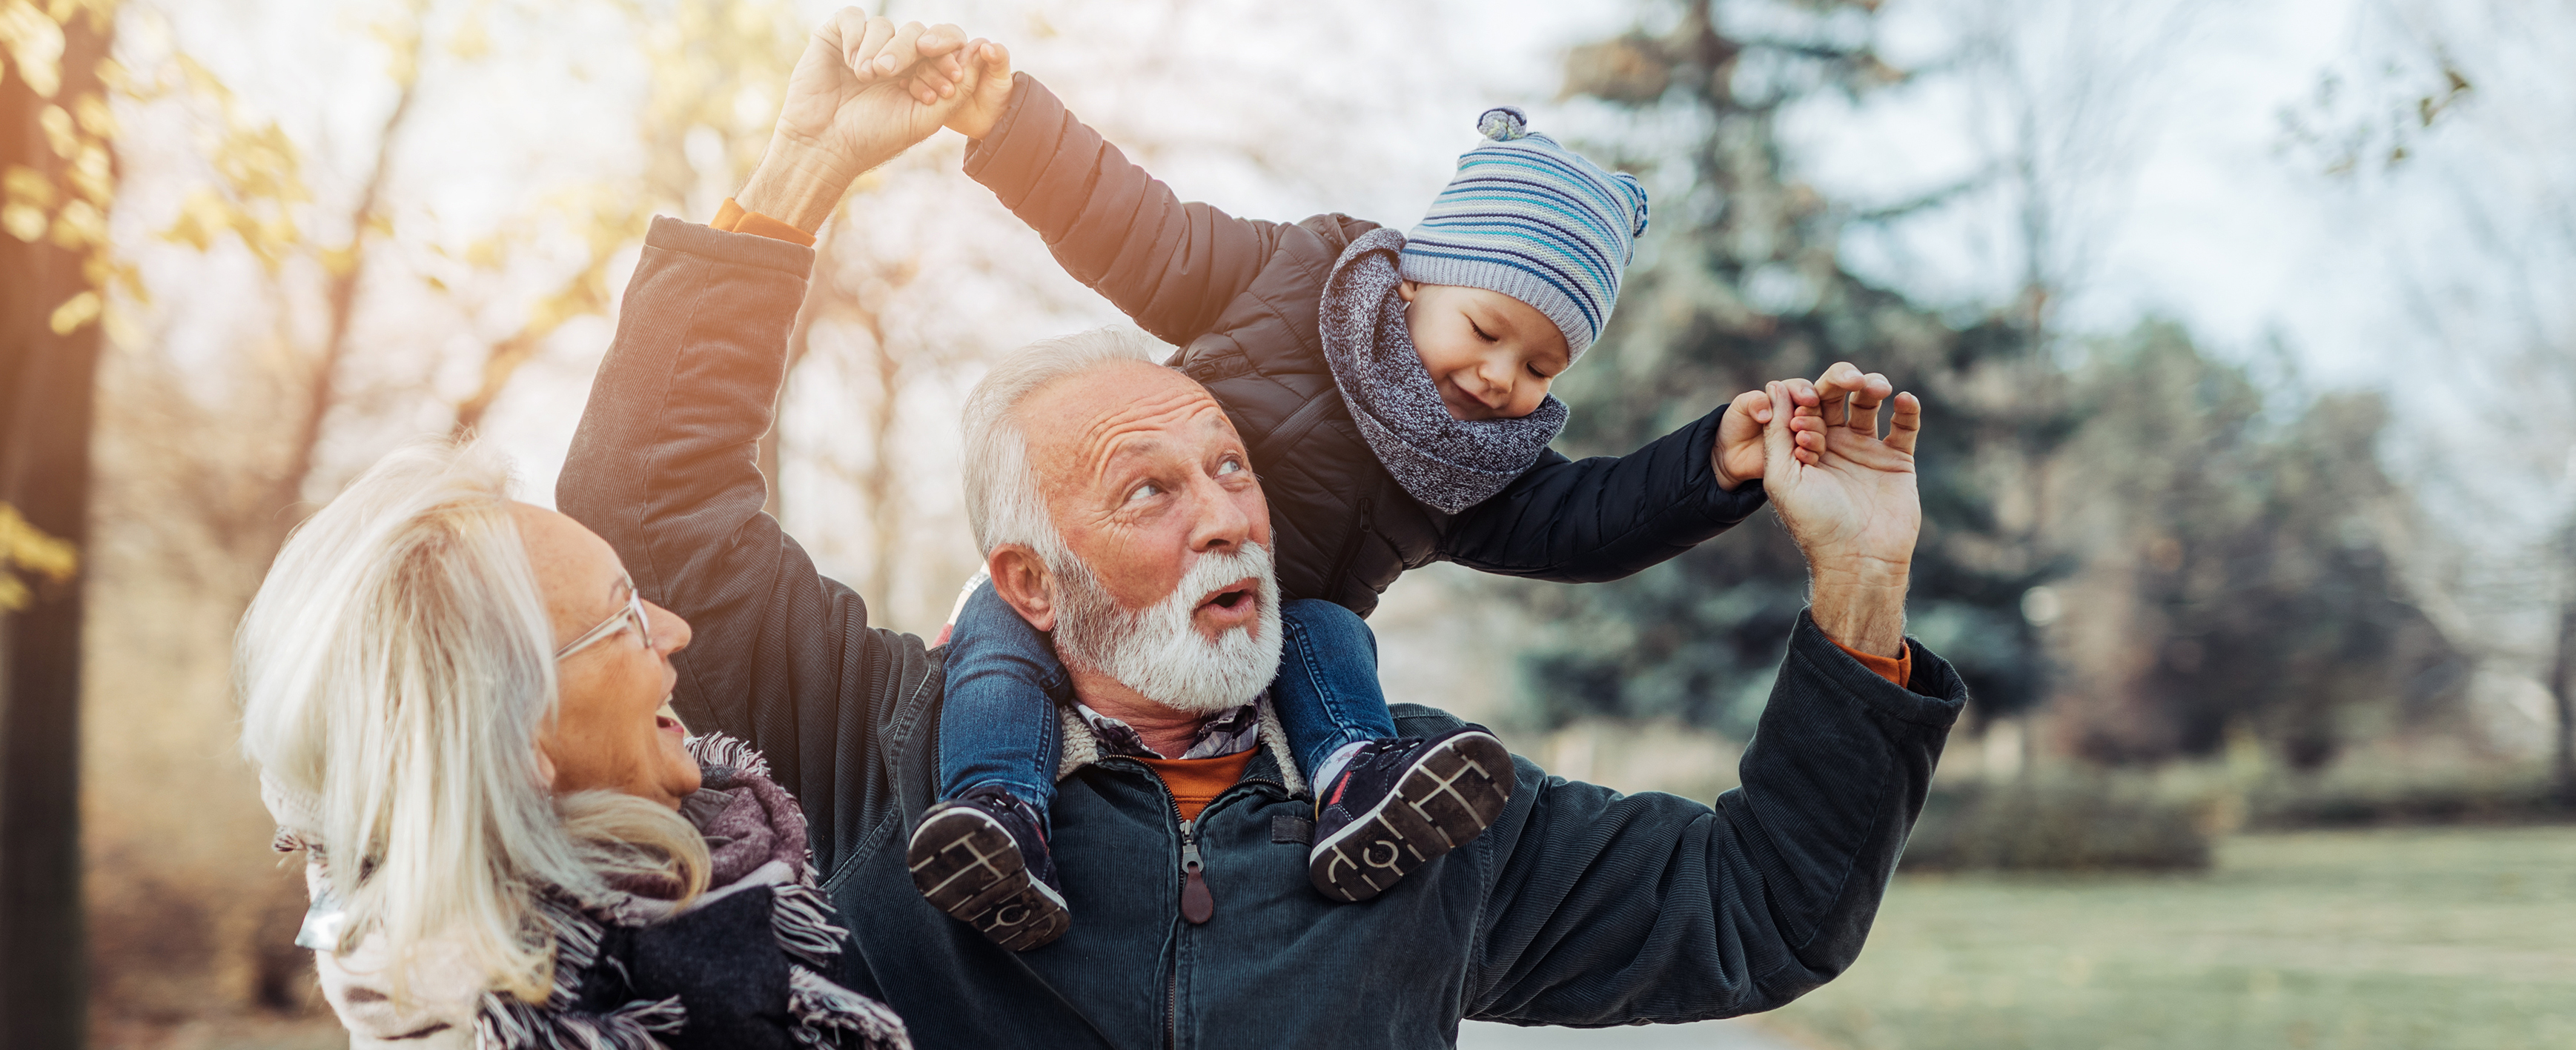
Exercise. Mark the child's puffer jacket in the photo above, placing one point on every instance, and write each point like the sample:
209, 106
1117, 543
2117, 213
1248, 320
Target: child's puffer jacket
1240, 298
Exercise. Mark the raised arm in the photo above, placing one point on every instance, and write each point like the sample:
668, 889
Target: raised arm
664, 463
1603, 518
1611, 909
663, 467
1170, 266
1607, 909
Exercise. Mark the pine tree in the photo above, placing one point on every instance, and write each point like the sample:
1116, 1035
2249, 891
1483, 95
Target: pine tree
1746, 286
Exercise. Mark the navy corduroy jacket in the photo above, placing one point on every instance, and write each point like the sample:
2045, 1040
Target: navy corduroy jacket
1581, 906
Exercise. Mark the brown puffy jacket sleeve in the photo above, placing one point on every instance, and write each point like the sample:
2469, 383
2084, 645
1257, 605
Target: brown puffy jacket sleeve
1172, 266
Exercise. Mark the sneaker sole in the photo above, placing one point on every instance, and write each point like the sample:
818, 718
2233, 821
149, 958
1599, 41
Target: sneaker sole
1451, 795
964, 863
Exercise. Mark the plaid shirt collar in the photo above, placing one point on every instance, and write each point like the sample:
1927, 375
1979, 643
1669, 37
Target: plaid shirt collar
1225, 733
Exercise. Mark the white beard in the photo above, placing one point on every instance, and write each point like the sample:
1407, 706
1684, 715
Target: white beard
1158, 651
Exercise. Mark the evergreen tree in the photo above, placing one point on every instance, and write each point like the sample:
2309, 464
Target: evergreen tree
1744, 285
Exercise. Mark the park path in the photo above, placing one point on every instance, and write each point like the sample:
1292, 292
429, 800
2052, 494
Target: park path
1704, 1035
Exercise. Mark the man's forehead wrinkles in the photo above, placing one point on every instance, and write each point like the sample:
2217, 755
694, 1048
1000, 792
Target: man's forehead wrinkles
1123, 428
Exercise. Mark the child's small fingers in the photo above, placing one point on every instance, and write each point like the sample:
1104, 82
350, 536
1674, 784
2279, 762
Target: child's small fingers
942, 39
1753, 405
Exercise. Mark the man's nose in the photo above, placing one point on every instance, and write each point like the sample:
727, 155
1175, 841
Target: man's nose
1220, 525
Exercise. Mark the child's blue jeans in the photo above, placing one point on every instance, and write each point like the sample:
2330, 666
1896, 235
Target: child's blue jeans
998, 722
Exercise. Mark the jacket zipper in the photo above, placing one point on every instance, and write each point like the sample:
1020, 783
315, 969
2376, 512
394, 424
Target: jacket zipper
1190, 880
1193, 878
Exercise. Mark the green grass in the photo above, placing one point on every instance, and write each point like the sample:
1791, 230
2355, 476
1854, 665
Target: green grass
2334, 940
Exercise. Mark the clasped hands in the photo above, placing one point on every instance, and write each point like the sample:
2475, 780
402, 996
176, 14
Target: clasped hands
1846, 493
864, 91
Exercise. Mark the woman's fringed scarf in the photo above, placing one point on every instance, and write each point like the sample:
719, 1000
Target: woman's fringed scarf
756, 840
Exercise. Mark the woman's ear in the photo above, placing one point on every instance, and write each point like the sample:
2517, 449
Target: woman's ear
1021, 578
545, 769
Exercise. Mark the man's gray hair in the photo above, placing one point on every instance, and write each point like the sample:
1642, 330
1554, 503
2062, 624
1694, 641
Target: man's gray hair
1003, 501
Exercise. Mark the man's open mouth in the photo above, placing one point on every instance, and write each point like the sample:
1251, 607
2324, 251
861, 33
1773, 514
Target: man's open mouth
1237, 596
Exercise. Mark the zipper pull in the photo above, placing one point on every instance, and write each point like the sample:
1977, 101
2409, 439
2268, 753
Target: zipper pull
1197, 904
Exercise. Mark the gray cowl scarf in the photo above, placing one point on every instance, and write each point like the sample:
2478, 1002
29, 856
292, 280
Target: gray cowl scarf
1448, 463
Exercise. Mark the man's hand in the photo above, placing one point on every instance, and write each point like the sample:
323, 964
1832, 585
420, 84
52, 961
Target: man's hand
1854, 512
1738, 453
864, 91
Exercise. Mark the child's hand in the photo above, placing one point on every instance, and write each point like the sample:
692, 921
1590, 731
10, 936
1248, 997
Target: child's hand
987, 89
1737, 455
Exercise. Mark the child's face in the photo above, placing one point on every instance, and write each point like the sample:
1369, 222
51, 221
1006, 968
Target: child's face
1491, 355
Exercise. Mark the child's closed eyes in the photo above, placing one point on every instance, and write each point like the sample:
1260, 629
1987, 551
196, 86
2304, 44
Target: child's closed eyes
1491, 356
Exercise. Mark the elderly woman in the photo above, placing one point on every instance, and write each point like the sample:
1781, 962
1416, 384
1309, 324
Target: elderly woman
456, 702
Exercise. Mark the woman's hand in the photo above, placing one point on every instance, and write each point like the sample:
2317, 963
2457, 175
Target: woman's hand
864, 91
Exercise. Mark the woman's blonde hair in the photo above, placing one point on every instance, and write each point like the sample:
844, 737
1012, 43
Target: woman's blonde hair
396, 671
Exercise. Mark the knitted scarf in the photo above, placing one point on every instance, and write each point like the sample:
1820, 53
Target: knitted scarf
1445, 462
755, 835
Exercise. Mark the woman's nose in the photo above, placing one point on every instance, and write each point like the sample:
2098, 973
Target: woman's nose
670, 632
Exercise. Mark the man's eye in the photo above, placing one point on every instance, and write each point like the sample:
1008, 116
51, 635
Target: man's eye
1533, 370
1229, 466
1480, 331
1147, 490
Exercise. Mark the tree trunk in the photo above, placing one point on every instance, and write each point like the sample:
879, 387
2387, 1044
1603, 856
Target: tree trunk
49, 345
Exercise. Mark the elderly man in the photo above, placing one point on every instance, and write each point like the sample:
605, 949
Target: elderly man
1579, 906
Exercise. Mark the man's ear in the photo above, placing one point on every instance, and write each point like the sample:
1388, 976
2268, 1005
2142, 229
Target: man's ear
1021, 578
1404, 290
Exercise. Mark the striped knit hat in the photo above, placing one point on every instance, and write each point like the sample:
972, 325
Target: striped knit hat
1535, 221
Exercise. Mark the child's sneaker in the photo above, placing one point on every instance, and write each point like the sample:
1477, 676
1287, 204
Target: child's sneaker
1399, 803
982, 859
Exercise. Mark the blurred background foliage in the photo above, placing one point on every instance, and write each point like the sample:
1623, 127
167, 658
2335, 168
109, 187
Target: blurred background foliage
2230, 529
2212, 590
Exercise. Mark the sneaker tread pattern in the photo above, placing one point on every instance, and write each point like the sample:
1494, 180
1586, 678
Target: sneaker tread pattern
964, 863
1451, 795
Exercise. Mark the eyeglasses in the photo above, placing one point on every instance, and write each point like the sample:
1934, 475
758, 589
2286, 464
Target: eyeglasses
632, 614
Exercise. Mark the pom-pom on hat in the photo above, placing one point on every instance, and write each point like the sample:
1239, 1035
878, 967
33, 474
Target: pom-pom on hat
1533, 220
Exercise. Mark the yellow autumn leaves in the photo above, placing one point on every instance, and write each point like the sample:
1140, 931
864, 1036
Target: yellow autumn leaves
70, 210
26, 549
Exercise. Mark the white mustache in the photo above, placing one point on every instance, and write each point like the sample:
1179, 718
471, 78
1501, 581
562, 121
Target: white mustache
1158, 650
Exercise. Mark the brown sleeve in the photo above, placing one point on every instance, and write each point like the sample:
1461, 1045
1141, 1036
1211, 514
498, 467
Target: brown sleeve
1169, 265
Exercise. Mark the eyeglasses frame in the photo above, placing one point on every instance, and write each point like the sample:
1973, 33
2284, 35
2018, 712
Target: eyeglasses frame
631, 612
